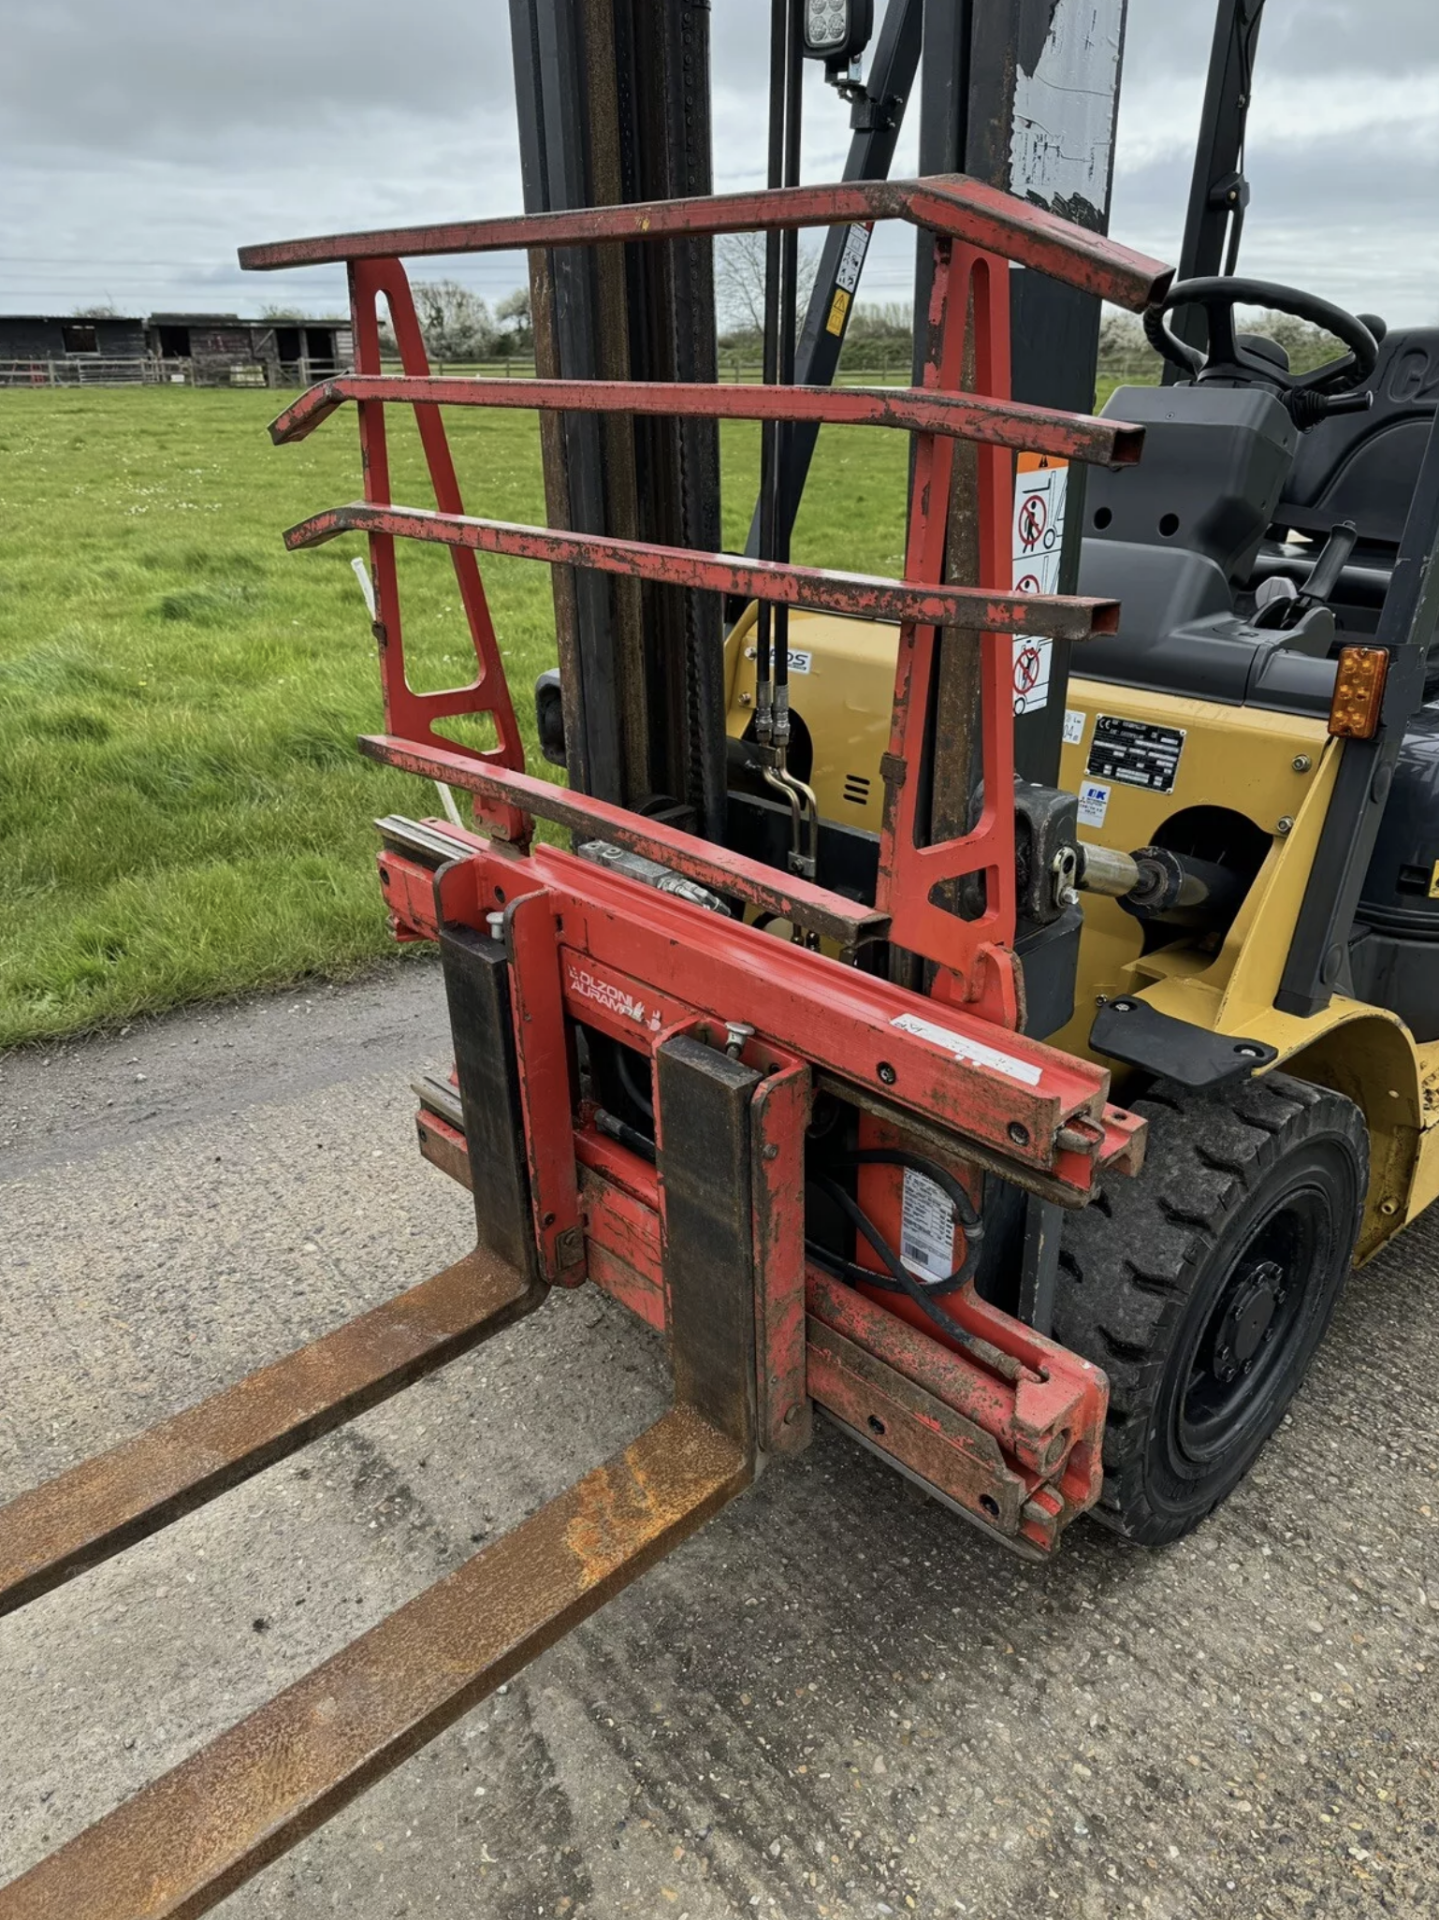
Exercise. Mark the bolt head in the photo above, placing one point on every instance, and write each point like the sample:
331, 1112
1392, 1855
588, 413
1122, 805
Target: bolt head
1302, 763
1285, 824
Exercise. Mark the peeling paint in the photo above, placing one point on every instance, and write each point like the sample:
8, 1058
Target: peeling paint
1061, 151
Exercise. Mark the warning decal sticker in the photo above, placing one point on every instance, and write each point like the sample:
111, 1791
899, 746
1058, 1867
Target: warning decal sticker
1040, 484
1134, 754
926, 1228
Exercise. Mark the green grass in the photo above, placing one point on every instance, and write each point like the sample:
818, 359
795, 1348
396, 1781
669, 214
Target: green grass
183, 813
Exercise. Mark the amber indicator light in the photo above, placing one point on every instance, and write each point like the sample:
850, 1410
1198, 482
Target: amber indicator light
1358, 692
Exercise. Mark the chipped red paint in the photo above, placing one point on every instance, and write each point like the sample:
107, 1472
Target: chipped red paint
1055, 616
950, 204
1021, 1456
966, 416
913, 875
546, 1074
636, 962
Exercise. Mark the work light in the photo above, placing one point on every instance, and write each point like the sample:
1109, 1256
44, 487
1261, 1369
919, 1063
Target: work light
837, 31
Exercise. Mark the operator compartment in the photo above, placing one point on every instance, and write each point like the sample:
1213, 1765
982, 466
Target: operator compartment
1255, 540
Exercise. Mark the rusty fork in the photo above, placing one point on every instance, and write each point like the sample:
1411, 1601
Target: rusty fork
185, 1842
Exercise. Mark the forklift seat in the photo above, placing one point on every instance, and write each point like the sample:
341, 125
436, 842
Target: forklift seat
1364, 466
1173, 540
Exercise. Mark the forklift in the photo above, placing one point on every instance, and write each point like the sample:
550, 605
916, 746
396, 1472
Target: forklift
984, 1007
1254, 757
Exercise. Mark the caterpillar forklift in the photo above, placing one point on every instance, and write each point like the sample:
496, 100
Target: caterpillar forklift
1253, 762
987, 1007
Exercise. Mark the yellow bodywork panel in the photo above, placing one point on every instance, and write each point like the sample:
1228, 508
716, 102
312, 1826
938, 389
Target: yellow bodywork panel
1276, 770
841, 686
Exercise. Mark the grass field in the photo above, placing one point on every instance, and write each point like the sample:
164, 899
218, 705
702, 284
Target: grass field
182, 809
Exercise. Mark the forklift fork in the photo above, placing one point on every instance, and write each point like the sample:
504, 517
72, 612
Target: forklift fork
194, 1835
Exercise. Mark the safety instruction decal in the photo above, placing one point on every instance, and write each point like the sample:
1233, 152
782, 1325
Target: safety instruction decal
1073, 726
1134, 754
846, 277
1040, 486
926, 1228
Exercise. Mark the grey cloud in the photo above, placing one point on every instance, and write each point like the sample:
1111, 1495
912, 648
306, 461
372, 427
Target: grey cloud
165, 132
141, 75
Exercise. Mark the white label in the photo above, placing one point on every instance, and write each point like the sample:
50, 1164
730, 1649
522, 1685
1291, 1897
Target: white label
1073, 727
1093, 803
926, 1228
852, 259
1032, 662
973, 1052
1039, 495
799, 661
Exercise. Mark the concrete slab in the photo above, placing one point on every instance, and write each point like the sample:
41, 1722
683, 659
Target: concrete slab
836, 1701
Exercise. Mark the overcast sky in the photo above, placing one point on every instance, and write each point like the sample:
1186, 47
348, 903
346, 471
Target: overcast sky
141, 142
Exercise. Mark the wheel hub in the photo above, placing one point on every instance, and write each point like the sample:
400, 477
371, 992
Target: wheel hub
1248, 1321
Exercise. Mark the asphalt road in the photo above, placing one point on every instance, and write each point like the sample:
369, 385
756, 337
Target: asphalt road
837, 1700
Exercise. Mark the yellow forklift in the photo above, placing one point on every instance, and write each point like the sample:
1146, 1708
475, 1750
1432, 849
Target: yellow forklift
1251, 859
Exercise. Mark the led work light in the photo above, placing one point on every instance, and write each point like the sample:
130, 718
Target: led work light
837, 31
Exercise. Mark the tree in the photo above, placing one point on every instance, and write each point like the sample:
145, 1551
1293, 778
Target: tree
456, 323
106, 310
281, 313
515, 322
1125, 356
1307, 346
739, 285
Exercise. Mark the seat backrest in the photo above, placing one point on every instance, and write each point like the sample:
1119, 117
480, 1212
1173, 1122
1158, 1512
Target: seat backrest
1364, 466
1215, 461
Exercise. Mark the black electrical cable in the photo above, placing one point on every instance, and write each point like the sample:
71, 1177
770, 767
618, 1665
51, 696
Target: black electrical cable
624, 1067
897, 1278
788, 261
902, 1280
625, 1134
965, 1210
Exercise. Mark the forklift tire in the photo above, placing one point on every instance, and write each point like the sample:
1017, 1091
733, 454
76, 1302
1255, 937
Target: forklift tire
1204, 1285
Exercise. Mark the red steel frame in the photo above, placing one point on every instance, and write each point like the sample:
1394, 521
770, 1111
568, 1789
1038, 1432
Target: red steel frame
705, 1239
1006, 1424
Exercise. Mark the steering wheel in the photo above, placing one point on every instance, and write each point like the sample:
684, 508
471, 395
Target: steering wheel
1308, 396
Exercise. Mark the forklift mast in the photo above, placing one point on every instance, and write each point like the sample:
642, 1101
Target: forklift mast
1023, 94
1218, 189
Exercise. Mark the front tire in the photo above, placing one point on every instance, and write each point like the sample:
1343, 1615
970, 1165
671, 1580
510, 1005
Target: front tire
1204, 1286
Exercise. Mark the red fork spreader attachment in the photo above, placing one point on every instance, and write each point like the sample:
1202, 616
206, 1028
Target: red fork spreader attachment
765, 1258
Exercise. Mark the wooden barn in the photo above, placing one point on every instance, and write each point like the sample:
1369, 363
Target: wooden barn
190, 349
43, 349
222, 349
